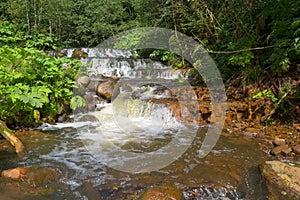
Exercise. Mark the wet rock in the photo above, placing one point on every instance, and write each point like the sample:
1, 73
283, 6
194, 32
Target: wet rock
209, 192
87, 118
106, 89
79, 91
296, 126
286, 151
296, 149
41, 175
30, 183
230, 118
77, 53
16, 173
282, 180
283, 149
84, 81
92, 86
34, 175
126, 88
60, 54
88, 98
251, 132
276, 151
164, 192
278, 141
62, 118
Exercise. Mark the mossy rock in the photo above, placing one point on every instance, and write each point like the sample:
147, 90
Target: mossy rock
60, 54
77, 53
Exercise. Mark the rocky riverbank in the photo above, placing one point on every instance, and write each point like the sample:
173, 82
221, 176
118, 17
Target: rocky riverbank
245, 116
244, 119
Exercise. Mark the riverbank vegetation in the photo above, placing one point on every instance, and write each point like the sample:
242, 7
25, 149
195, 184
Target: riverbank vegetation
34, 87
254, 43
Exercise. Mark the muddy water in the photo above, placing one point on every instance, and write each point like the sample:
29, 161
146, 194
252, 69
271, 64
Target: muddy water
85, 177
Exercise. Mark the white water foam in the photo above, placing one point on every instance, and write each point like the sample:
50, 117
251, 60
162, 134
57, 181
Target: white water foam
130, 68
130, 120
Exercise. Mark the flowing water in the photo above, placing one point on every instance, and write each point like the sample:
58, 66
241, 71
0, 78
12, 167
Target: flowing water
98, 151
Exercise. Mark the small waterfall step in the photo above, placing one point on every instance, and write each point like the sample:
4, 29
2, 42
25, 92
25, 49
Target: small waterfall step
130, 68
121, 63
100, 52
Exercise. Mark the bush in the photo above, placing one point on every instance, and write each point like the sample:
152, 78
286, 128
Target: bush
33, 85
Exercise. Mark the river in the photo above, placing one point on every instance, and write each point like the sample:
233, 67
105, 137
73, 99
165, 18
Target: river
119, 150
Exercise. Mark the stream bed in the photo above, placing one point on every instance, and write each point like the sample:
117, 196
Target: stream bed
229, 171
118, 150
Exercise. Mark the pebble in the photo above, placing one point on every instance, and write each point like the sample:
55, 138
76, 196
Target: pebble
284, 149
296, 126
278, 141
296, 149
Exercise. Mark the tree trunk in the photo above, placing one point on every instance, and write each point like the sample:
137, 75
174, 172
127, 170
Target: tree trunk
8, 134
27, 17
35, 15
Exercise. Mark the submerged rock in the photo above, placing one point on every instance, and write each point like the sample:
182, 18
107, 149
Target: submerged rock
282, 180
163, 192
16, 173
35, 175
31, 183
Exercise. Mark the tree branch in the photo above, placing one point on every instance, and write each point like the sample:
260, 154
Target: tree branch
8, 134
243, 50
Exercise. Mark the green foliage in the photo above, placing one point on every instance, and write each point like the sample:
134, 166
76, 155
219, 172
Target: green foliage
76, 102
32, 84
266, 94
242, 59
41, 41
169, 58
282, 27
247, 39
131, 40
9, 34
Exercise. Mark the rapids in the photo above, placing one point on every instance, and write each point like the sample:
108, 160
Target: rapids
131, 144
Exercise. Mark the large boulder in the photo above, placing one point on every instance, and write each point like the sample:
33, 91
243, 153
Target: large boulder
282, 180
107, 89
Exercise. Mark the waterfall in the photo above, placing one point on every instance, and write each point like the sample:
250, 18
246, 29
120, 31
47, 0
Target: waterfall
121, 63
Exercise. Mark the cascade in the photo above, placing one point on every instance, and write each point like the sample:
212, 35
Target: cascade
133, 124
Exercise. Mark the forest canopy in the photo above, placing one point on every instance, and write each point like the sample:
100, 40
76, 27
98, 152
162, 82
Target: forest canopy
251, 41
269, 29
